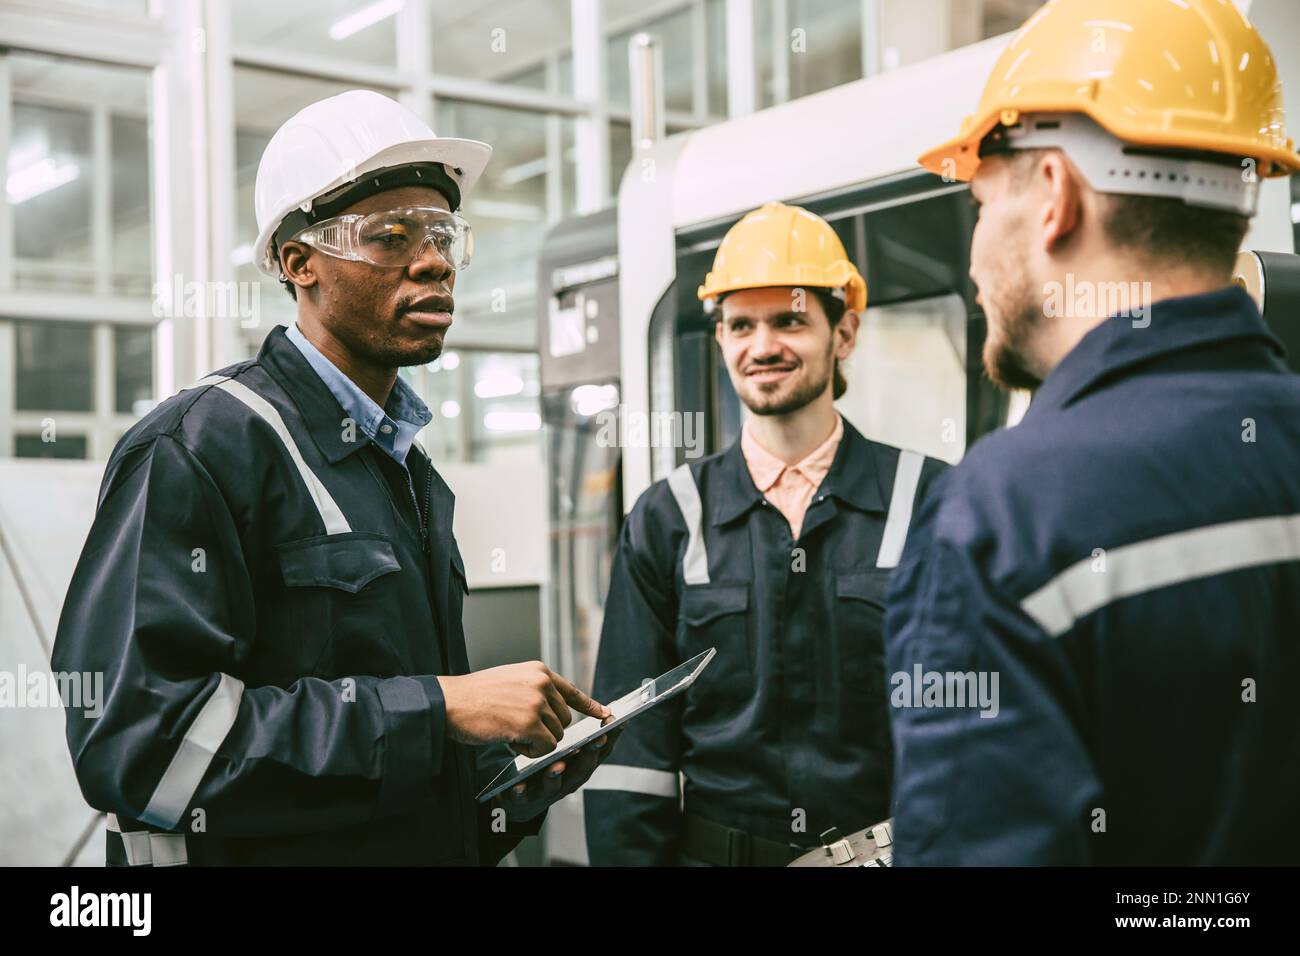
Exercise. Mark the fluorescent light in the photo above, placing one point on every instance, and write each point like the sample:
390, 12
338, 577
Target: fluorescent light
242, 255
39, 177
512, 421
450, 408
365, 17
447, 360
498, 384
588, 400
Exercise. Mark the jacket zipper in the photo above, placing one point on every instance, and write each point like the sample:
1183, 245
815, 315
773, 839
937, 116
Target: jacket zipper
428, 505
421, 517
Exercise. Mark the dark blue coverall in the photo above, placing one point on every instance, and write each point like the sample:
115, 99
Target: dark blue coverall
1127, 560
270, 598
785, 733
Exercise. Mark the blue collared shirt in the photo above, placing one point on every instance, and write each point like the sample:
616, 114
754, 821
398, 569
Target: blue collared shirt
394, 429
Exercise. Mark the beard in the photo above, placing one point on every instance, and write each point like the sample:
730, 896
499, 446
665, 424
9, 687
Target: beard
788, 398
385, 348
1014, 310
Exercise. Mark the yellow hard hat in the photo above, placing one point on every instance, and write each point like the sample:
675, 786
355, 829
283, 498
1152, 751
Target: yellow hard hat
1174, 74
780, 245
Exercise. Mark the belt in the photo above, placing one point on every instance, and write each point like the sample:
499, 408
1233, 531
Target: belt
724, 846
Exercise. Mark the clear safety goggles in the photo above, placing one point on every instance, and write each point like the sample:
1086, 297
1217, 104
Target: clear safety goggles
393, 237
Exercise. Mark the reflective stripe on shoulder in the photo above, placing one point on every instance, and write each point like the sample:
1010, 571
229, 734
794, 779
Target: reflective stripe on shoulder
695, 563
906, 478
182, 777
330, 513
207, 380
1159, 562
613, 776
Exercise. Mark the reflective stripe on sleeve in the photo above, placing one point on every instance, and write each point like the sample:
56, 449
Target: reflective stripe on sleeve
143, 848
1159, 562
182, 777
695, 563
906, 478
613, 776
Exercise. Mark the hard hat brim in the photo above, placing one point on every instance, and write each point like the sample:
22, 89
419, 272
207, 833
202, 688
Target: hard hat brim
958, 158
468, 155
855, 290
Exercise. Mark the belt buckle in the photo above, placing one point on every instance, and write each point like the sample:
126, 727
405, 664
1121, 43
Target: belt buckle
737, 847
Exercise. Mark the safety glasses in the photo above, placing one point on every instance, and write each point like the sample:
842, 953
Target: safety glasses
393, 237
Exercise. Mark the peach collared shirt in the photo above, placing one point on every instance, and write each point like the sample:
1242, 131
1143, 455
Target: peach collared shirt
790, 487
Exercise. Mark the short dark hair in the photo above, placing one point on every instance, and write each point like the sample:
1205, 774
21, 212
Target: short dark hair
1164, 229
1168, 230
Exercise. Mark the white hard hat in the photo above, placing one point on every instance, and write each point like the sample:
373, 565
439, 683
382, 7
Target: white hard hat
337, 141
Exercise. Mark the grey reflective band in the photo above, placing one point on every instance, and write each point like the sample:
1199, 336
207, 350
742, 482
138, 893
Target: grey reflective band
182, 777
906, 478
613, 776
330, 513
695, 564
208, 380
144, 848
1159, 562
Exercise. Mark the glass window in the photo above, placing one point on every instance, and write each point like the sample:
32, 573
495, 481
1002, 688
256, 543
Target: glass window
132, 253
49, 190
64, 446
805, 46
1004, 16
264, 100
527, 186
139, 8
132, 369
53, 366
620, 153
485, 404
826, 46
716, 13
676, 44
336, 29
907, 376
913, 30
502, 41
79, 225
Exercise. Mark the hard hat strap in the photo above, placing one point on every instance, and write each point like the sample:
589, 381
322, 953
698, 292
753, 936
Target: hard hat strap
336, 200
1112, 166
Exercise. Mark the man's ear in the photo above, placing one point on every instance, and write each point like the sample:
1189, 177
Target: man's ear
846, 334
295, 263
717, 330
1062, 207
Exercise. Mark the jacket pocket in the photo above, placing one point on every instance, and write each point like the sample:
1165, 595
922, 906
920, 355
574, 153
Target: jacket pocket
345, 561
345, 604
458, 569
717, 615
859, 641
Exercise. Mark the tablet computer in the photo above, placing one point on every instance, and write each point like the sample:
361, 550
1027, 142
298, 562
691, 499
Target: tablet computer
584, 731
